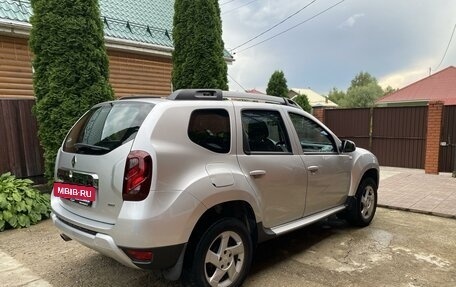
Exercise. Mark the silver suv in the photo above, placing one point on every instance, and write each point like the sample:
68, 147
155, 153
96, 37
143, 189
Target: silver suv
194, 181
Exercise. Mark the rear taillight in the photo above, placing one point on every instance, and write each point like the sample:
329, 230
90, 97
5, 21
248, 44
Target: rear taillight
137, 176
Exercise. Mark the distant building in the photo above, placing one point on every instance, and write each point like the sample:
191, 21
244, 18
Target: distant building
440, 86
255, 91
315, 99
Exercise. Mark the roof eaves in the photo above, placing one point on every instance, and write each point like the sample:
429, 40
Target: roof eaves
18, 28
140, 47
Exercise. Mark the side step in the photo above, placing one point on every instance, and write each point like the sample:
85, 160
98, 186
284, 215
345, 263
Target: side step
290, 226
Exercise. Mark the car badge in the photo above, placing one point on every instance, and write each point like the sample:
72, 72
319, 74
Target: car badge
73, 161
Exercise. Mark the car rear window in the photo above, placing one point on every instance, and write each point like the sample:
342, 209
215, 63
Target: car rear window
210, 128
106, 127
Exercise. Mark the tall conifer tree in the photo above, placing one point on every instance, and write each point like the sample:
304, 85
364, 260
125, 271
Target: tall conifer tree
71, 67
198, 57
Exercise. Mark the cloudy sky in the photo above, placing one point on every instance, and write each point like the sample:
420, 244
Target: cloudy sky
397, 41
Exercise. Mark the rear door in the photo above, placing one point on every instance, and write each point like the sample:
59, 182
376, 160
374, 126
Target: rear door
265, 155
94, 155
328, 170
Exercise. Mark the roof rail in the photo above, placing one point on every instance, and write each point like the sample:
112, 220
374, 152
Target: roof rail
197, 94
219, 95
139, 97
260, 98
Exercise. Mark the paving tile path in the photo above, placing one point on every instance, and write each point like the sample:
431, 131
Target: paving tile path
413, 190
13, 273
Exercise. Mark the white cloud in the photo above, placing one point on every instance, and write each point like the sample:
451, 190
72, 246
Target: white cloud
252, 70
402, 78
383, 38
350, 22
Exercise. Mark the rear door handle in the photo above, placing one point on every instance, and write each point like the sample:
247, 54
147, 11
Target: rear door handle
258, 172
313, 168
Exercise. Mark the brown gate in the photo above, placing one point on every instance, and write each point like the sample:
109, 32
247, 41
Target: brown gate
399, 136
351, 124
20, 151
447, 155
396, 135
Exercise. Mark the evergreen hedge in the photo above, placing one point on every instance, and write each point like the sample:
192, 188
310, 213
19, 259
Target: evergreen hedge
198, 60
70, 67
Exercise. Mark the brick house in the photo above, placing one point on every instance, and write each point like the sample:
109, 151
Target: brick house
440, 86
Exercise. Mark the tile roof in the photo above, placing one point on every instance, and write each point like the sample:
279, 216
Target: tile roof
15, 10
145, 21
315, 99
440, 86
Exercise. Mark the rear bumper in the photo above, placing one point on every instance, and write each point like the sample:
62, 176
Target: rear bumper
163, 257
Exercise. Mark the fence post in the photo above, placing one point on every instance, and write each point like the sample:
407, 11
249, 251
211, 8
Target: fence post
319, 113
371, 126
434, 127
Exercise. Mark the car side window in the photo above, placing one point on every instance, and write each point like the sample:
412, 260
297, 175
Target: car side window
264, 132
210, 128
312, 137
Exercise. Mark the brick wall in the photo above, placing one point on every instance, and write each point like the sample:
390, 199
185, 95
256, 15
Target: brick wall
434, 127
319, 113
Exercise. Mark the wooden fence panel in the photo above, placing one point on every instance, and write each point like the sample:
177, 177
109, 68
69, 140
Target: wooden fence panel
20, 151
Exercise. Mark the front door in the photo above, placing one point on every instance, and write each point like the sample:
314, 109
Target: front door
276, 174
329, 170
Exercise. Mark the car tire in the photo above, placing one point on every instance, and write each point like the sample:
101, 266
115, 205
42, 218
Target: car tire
222, 257
362, 209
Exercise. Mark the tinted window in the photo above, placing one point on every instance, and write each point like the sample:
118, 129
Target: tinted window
264, 131
210, 128
312, 136
106, 127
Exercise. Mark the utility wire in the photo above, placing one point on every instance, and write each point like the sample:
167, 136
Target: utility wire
448, 46
284, 31
267, 30
229, 11
237, 82
226, 2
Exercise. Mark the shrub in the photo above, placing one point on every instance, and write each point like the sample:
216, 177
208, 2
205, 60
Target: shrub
20, 204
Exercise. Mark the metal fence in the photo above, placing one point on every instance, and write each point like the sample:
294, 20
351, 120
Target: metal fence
396, 135
399, 136
351, 124
20, 151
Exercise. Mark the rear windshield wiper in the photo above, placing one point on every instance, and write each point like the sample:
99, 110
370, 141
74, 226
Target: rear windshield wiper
90, 146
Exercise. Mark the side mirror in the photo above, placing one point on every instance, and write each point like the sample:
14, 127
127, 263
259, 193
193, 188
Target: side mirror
348, 146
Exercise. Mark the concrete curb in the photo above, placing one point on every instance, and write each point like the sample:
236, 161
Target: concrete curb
417, 211
13, 273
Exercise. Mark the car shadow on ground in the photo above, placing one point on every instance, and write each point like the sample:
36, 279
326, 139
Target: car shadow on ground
277, 250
